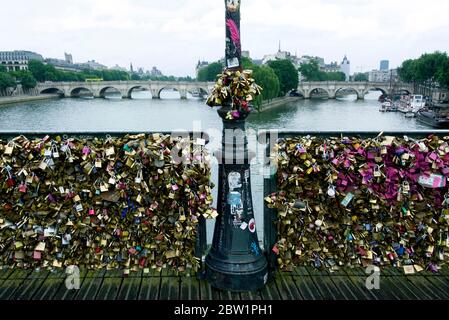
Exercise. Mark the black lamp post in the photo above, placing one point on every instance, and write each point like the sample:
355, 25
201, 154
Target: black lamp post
235, 261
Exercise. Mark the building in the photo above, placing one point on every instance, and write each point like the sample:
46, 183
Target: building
18, 60
345, 67
331, 67
200, 65
384, 65
63, 65
68, 58
245, 54
383, 75
118, 68
155, 72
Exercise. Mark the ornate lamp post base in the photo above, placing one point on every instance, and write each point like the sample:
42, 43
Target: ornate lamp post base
235, 261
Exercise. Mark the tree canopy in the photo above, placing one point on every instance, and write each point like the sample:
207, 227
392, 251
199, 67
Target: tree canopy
361, 77
287, 75
210, 72
311, 71
432, 67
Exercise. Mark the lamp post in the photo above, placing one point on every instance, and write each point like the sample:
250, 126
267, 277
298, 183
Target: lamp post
235, 261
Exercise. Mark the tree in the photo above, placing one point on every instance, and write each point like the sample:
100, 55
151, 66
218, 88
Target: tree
335, 76
311, 71
6, 81
25, 78
135, 76
429, 67
210, 72
361, 77
2, 68
287, 75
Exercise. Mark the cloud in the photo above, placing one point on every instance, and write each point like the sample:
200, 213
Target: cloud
174, 34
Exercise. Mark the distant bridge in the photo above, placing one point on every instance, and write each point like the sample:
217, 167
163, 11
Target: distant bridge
98, 89
332, 88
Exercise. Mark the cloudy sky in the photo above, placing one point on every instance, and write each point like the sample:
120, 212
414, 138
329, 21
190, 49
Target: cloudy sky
174, 34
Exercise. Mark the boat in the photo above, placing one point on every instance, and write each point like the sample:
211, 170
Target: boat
388, 106
411, 103
437, 113
410, 115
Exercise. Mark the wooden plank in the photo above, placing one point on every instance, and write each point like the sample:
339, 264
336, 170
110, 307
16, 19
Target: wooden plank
149, 288
207, 292
98, 273
130, 288
444, 271
428, 289
169, 272
327, 288
9, 287
49, 288
109, 289
301, 271
89, 288
229, 295
307, 288
5, 273
190, 288
354, 271
287, 288
440, 282
347, 289
359, 282
152, 273
270, 291
397, 287
250, 295
169, 288
65, 294
30, 286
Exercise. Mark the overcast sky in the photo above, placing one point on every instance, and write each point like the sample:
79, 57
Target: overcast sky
174, 34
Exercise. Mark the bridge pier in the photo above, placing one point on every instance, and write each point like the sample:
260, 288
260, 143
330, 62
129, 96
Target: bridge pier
183, 94
155, 93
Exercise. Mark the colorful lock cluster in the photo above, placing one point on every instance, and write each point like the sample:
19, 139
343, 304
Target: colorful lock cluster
103, 203
345, 201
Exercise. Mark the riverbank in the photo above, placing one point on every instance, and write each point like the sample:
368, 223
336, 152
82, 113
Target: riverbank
277, 103
21, 99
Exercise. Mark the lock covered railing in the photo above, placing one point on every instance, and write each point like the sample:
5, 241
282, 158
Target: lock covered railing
104, 200
337, 199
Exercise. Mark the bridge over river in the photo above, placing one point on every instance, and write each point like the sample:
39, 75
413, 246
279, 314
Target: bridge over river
332, 88
98, 89
125, 88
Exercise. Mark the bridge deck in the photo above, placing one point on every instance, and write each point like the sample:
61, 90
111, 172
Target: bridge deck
303, 284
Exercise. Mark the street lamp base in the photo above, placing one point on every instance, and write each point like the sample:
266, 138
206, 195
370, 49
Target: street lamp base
237, 277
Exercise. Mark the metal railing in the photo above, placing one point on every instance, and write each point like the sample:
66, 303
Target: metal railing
270, 183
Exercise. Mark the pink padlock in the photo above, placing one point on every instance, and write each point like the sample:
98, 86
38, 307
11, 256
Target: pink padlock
91, 212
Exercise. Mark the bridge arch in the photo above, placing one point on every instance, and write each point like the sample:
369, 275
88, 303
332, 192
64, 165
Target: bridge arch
53, 90
402, 90
352, 90
168, 88
317, 92
102, 91
75, 92
129, 92
383, 90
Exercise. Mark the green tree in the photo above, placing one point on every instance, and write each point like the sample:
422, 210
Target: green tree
361, 77
428, 67
135, 76
335, 76
311, 71
210, 72
25, 78
287, 75
2, 68
6, 81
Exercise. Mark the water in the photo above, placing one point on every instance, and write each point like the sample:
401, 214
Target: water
170, 113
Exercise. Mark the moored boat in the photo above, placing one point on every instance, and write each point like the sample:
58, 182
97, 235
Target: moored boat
437, 113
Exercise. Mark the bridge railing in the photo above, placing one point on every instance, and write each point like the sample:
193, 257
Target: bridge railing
285, 224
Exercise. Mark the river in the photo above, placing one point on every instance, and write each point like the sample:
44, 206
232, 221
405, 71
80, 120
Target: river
170, 113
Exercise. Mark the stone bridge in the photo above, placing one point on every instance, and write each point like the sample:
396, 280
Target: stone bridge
331, 88
98, 89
